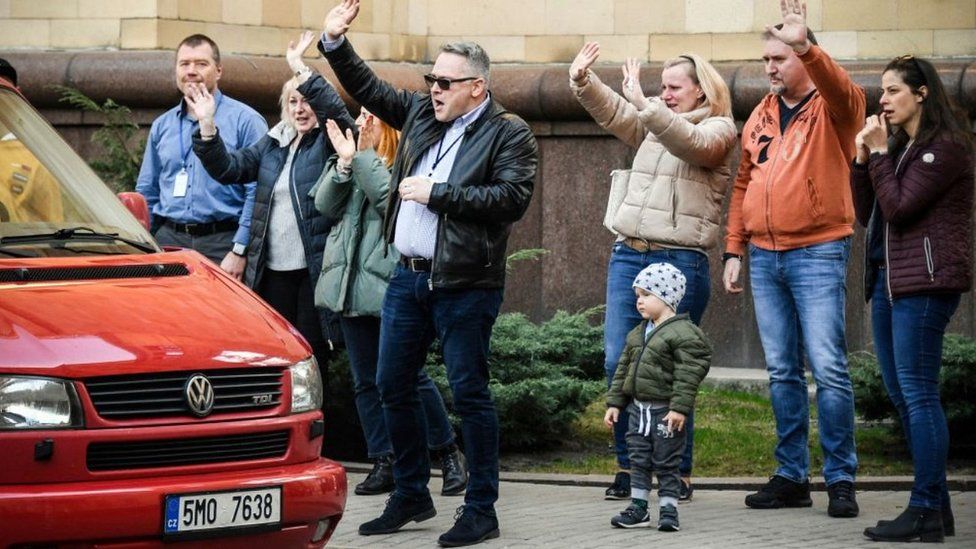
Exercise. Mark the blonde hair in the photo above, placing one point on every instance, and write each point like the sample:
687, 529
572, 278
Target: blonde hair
289, 86
703, 74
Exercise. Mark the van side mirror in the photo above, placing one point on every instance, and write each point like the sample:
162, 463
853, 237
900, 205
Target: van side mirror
136, 204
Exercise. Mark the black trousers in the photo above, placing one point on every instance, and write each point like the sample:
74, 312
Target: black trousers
291, 294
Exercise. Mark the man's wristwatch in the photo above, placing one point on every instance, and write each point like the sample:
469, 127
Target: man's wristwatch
239, 249
728, 255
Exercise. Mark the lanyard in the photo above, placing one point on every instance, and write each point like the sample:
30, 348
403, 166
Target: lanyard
440, 156
185, 153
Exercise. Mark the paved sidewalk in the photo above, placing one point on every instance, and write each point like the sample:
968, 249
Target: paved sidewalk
577, 517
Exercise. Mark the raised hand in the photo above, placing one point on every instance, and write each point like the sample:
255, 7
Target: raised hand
295, 51
632, 86
366, 134
584, 60
794, 31
344, 145
202, 106
338, 19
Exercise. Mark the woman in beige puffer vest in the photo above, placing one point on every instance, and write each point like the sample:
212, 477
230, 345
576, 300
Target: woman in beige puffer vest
672, 208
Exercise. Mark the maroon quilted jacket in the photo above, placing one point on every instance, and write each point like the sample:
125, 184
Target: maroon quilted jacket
927, 208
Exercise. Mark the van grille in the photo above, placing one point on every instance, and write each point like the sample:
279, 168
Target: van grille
52, 274
162, 394
108, 456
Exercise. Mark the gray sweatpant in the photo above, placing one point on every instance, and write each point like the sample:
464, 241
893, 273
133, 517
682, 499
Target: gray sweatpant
653, 449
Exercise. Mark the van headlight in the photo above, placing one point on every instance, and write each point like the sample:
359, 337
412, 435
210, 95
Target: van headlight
306, 386
38, 403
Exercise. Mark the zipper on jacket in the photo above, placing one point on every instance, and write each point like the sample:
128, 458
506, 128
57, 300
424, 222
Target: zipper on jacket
437, 246
674, 204
929, 264
487, 247
887, 265
769, 174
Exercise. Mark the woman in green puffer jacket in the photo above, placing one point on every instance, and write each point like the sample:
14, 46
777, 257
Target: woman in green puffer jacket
356, 268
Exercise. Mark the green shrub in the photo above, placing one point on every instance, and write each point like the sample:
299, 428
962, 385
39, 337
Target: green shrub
957, 384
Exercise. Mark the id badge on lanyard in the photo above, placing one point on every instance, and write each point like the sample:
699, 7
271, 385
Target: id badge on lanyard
180, 183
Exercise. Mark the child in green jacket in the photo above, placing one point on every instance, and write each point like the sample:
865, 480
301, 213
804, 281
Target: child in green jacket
665, 359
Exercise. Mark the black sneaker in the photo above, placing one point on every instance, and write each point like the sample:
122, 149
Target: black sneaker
620, 489
668, 519
781, 492
843, 503
470, 527
379, 480
454, 472
398, 512
685, 492
632, 517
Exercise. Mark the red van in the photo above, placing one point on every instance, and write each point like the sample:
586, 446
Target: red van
147, 399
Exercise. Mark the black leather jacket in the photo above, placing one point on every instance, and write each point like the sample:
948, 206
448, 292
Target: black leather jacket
490, 183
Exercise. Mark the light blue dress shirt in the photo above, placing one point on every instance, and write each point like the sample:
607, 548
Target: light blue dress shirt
169, 149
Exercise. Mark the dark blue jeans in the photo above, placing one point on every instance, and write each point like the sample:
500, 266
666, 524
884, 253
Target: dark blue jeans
801, 292
622, 316
908, 341
462, 319
362, 337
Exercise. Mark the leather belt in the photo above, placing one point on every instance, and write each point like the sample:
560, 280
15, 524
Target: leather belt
641, 245
202, 229
416, 264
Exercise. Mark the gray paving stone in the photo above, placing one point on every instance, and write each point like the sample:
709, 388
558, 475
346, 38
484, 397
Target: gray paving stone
577, 517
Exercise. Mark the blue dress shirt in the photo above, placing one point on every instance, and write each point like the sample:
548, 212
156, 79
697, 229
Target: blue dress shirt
169, 150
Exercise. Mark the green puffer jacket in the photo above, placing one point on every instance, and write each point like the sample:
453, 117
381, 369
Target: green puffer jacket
668, 366
356, 265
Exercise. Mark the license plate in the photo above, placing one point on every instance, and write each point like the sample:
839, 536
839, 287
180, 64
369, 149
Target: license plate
219, 511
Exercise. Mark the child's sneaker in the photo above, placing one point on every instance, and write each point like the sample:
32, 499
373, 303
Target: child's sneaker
620, 489
668, 521
632, 517
685, 492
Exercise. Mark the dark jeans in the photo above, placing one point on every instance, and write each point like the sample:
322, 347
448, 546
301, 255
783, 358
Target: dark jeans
462, 320
290, 293
362, 337
622, 316
214, 246
908, 341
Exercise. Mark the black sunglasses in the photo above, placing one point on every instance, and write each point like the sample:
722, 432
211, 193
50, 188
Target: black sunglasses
445, 83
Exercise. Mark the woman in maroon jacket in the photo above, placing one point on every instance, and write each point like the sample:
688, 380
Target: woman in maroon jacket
914, 193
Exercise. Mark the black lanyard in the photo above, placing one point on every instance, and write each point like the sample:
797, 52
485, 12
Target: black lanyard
440, 156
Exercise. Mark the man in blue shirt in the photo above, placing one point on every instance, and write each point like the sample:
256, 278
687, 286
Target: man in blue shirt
188, 208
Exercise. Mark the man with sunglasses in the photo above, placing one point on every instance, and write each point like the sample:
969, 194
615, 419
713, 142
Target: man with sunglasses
791, 205
464, 172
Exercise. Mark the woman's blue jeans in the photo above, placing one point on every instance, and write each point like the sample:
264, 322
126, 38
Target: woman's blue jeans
622, 316
362, 337
908, 341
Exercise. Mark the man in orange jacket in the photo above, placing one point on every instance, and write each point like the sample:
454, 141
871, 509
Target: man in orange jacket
791, 205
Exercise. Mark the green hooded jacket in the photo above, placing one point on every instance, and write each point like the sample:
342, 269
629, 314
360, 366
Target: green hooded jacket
356, 265
668, 366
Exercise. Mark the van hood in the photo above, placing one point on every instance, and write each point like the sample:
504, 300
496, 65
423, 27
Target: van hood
62, 320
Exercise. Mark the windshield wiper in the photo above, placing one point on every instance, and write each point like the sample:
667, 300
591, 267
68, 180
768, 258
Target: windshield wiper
75, 233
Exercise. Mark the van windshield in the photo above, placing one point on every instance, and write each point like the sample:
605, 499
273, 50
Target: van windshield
51, 202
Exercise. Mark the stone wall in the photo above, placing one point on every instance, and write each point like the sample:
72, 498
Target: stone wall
522, 31
576, 158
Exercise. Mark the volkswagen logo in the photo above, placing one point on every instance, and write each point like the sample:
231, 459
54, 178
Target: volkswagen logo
199, 395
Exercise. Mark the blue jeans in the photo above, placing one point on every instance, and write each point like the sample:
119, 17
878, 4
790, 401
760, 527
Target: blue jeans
462, 320
362, 337
799, 299
622, 317
908, 341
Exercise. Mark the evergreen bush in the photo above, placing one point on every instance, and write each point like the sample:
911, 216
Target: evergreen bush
957, 383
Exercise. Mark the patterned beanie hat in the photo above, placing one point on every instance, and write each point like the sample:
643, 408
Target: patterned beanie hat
663, 280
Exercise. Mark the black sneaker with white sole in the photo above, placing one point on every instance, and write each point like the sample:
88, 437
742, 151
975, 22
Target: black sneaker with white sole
620, 489
668, 519
685, 492
632, 517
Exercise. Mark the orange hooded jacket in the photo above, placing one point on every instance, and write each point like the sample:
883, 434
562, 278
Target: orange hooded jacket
792, 189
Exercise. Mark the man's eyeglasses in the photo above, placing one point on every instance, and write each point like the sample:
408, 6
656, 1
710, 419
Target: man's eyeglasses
445, 83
